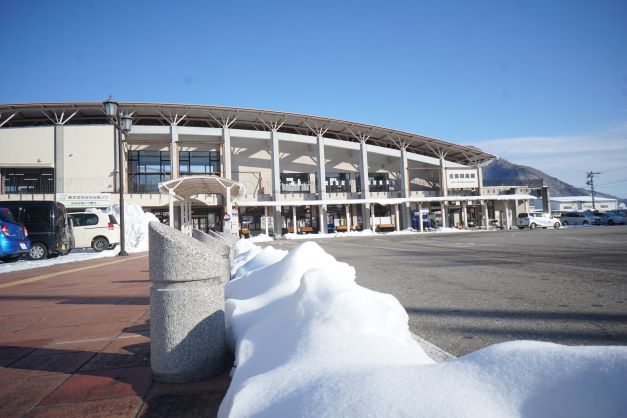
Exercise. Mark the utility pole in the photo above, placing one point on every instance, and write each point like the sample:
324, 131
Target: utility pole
590, 176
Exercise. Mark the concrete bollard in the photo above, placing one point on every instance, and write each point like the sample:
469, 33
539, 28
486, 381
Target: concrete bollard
221, 247
187, 334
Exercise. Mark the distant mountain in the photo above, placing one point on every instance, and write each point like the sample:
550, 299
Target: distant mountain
506, 172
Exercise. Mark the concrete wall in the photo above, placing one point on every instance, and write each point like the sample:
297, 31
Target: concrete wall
27, 147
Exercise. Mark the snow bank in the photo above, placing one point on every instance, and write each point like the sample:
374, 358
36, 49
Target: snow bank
310, 342
135, 225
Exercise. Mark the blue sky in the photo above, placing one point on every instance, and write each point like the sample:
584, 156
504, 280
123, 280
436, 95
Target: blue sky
542, 83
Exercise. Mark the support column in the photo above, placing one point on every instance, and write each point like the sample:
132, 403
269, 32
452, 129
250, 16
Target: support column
484, 214
443, 179
422, 228
59, 172
294, 220
506, 204
171, 207
322, 176
479, 178
444, 215
465, 215
365, 187
405, 189
348, 217
276, 179
398, 226
372, 224
174, 151
527, 206
226, 147
322, 219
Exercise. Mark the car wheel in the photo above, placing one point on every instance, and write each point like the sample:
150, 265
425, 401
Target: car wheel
11, 258
556, 225
566, 223
610, 222
584, 222
532, 226
100, 244
38, 252
112, 246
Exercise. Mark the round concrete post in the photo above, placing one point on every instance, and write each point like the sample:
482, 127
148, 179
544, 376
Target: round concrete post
187, 332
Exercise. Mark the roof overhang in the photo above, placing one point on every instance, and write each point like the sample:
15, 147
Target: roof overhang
37, 114
188, 187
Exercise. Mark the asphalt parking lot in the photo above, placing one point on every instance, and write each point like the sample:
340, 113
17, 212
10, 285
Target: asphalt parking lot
464, 291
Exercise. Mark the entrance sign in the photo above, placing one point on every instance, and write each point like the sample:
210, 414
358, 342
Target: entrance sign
84, 200
461, 178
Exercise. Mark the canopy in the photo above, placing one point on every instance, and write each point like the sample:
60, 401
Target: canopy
187, 187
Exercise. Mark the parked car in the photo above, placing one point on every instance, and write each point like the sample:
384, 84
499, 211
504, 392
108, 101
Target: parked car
579, 218
14, 240
609, 218
48, 226
99, 231
533, 220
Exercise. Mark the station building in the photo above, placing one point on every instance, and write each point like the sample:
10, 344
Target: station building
305, 173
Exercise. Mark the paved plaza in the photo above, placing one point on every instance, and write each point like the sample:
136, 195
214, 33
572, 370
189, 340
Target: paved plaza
75, 342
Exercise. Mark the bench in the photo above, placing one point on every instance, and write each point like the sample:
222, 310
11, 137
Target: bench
341, 228
307, 230
244, 232
386, 227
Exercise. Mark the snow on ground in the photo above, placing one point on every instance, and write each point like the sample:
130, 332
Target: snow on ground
365, 232
310, 342
136, 234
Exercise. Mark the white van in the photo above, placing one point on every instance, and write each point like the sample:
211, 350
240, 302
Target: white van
99, 231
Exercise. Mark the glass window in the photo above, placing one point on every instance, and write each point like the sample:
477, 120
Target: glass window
91, 219
6, 216
37, 214
338, 183
78, 219
27, 180
148, 168
199, 163
295, 183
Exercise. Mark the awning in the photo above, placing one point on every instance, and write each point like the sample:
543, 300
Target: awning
187, 187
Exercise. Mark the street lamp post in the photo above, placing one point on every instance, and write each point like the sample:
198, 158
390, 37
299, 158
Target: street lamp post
123, 124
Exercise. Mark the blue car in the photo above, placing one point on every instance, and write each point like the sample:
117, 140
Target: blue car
13, 237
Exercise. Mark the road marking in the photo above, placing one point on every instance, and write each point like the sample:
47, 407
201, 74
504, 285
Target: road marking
432, 350
59, 273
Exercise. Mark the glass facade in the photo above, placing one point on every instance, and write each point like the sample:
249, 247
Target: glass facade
196, 163
27, 180
147, 169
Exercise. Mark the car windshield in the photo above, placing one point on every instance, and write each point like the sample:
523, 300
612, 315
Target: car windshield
6, 216
522, 215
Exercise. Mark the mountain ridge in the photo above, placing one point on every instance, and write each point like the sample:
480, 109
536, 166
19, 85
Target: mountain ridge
502, 169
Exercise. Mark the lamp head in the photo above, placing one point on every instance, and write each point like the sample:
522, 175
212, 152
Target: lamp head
126, 123
110, 107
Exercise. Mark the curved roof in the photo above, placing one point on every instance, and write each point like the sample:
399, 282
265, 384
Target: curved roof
187, 187
37, 114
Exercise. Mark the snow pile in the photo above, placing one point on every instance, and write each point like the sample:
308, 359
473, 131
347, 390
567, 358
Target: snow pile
135, 225
310, 342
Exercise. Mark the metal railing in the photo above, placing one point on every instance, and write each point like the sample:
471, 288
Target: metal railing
23, 186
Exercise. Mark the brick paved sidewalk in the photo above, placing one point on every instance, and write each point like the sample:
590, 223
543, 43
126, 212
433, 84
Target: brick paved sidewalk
77, 344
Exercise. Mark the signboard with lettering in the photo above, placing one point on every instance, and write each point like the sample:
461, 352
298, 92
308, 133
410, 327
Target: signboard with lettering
84, 200
461, 178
